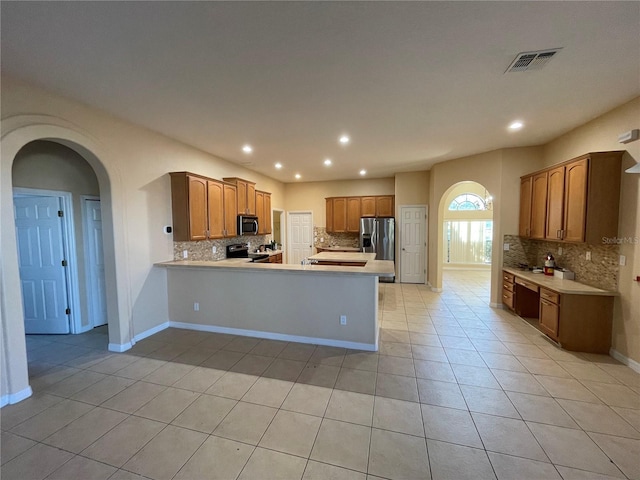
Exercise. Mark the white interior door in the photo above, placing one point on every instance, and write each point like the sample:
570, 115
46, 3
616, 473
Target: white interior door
413, 246
39, 232
94, 262
300, 236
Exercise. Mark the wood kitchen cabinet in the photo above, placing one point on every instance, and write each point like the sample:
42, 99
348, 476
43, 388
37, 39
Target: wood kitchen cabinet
525, 206
368, 206
582, 199
246, 195
384, 206
344, 213
549, 312
263, 209
277, 258
555, 203
339, 208
198, 206
578, 321
508, 290
533, 205
353, 214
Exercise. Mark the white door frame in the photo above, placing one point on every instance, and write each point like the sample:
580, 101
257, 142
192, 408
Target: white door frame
69, 246
310, 212
426, 239
283, 226
90, 287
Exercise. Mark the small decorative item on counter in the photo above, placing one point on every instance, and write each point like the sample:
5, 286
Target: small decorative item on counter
549, 264
564, 274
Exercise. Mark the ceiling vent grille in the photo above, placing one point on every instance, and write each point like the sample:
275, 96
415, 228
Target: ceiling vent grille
532, 60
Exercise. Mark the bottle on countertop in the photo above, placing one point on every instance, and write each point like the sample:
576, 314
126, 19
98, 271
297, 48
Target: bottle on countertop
549, 264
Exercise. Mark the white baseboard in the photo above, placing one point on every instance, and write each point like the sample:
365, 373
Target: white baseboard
496, 305
632, 364
12, 398
276, 336
119, 347
437, 290
151, 331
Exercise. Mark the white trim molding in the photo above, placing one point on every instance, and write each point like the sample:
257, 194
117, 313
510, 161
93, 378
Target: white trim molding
276, 336
631, 363
120, 347
151, 331
12, 398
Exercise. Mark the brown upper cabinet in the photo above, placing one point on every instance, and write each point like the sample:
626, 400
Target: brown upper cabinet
582, 199
246, 202
353, 214
263, 210
343, 213
384, 205
200, 207
338, 207
368, 205
377, 206
525, 206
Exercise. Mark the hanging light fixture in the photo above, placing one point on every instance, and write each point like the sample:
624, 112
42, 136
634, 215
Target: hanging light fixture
488, 200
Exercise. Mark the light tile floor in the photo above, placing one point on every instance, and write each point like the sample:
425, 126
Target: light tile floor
458, 390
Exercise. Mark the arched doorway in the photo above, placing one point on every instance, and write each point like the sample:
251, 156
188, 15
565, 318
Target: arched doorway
466, 231
17, 132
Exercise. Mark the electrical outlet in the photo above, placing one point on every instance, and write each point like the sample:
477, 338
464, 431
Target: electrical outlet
588, 256
505, 247
559, 250
214, 249
196, 307
185, 254
623, 260
343, 319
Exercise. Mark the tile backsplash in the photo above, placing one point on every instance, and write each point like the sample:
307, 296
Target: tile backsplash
203, 249
600, 272
321, 238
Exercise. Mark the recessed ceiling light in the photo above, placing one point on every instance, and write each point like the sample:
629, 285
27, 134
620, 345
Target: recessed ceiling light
278, 165
327, 162
363, 172
298, 176
247, 148
517, 125
344, 139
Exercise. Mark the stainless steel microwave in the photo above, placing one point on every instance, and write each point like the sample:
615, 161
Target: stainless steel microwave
247, 225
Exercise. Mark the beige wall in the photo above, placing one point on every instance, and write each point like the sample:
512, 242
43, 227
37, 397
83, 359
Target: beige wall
51, 166
309, 196
499, 172
601, 134
132, 166
412, 188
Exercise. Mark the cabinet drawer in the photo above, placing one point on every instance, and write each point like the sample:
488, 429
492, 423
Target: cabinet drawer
507, 298
550, 296
531, 286
507, 277
507, 286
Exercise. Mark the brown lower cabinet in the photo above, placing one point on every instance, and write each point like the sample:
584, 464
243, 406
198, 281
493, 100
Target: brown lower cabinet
277, 258
580, 323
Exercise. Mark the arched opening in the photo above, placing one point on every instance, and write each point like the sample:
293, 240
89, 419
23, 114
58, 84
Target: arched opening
466, 236
19, 132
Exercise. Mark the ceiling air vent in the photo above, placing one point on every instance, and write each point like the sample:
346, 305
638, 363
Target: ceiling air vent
532, 60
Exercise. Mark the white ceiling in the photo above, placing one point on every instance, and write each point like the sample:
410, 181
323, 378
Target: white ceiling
412, 83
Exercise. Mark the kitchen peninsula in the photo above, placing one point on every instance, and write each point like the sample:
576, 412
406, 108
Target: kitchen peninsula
302, 303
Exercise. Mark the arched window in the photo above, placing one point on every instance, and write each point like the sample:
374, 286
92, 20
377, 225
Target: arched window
468, 201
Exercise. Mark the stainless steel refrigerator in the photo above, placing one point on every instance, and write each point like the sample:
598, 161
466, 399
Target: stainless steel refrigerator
377, 235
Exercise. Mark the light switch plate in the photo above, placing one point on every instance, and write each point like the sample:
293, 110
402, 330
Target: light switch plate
588, 256
505, 247
623, 260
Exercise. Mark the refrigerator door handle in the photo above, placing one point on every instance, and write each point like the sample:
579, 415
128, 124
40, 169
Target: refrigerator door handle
374, 237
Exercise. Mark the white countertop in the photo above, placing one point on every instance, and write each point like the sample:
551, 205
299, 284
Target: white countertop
559, 285
344, 256
381, 268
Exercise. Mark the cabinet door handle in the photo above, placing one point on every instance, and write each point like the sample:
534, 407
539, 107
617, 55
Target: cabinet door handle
505, 296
